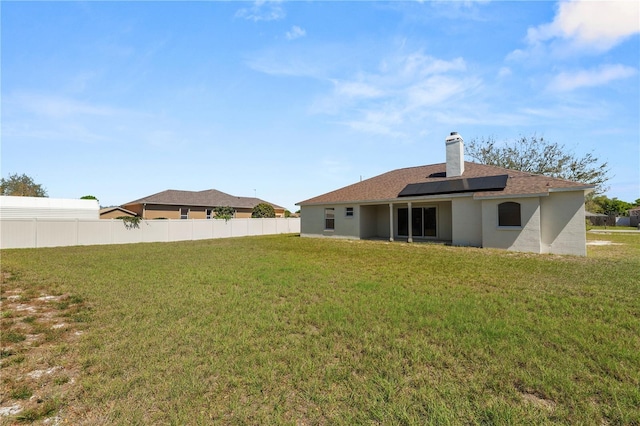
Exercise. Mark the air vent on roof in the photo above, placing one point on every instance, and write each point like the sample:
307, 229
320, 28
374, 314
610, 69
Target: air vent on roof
438, 175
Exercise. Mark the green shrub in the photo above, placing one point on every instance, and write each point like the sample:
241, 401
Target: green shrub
263, 210
223, 212
130, 221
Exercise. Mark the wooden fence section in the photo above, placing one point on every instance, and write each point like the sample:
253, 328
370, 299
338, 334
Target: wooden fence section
32, 233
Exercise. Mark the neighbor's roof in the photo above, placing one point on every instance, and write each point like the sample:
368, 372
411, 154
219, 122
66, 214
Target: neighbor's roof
388, 186
206, 198
591, 214
114, 208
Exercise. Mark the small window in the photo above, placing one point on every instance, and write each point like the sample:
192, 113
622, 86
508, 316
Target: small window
209, 213
349, 212
184, 213
329, 218
509, 214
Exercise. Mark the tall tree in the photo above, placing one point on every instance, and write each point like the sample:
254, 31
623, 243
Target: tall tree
21, 185
536, 155
606, 205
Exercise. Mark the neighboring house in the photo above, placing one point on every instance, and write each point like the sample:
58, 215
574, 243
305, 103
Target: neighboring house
115, 212
173, 204
12, 207
458, 202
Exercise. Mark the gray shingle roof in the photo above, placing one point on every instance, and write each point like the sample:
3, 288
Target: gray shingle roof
206, 198
388, 185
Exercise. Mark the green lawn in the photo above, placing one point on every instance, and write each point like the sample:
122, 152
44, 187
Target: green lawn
290, 330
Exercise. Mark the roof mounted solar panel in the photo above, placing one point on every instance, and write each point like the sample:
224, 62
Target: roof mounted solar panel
453, 186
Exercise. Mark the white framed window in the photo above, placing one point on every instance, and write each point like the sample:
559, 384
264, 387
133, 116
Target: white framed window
209, 213
348, 212
509, 214
329, 219
184, 213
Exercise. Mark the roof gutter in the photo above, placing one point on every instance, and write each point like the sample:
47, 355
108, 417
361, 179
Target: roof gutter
398, 200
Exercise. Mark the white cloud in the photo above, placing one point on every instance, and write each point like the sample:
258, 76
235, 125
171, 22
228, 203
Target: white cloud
504, 72
436, 91
567, 81
403, 90
420, 65
590, 24
383, 122
356, 89
58, 107
262, 11
293, 66
295, 32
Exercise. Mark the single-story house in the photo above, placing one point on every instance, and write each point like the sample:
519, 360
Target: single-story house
115, 212
174, 204
458, 202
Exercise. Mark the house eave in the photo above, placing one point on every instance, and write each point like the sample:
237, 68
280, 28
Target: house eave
397, 200
586, 188
501, 196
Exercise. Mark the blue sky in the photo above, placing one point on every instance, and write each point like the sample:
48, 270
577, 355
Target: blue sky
288, 100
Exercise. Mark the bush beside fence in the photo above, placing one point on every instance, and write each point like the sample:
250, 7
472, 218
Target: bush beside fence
32, 233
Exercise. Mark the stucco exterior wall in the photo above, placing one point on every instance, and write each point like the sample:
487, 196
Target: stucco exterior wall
445, 228
563, 223
155, 211
466, 215
136, 208
313, 221
382, 221
243, 213
519, 238
368, 221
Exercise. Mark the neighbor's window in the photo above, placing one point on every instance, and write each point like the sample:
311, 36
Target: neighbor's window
349, 212
184, 213
509, 214
209, 213
329, 218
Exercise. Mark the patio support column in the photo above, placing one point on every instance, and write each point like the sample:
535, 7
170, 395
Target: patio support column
391, 222
410, 239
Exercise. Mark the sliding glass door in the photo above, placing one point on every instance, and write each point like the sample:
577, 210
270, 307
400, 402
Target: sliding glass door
423, 222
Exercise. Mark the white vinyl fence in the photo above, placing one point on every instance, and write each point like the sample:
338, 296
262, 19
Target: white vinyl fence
31, 233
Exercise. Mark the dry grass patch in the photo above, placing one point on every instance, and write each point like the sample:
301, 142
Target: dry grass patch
38, 362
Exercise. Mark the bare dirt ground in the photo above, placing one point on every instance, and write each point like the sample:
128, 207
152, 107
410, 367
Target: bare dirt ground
602, 243
38, 360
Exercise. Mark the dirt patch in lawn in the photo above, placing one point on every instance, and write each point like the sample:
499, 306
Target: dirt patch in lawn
38, 362
602, 243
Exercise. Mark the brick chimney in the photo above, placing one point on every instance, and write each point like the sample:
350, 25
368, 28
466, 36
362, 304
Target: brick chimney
455, 155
